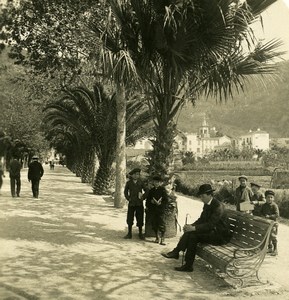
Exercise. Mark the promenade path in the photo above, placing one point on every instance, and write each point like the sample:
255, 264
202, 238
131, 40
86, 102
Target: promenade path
68, 244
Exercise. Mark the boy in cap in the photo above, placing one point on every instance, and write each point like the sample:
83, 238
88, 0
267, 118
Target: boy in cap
212, 227
133, 193
243, 193
270, 210
156, 202
258, 198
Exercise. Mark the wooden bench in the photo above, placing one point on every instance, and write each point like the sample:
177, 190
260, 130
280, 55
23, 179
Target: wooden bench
242, 257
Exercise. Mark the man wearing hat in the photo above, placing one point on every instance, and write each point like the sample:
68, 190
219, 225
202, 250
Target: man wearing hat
258, 198
212, 227
243, 193
133, 193
15, 177
270, 210
35, 172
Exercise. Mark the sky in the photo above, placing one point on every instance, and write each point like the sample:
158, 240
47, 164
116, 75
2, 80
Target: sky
276, 24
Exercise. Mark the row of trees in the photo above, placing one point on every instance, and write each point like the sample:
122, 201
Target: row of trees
167, 51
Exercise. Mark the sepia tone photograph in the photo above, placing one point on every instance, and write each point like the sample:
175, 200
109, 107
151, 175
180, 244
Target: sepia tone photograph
144, 149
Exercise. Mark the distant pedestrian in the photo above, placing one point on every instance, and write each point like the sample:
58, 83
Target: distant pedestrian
14, 174
1, 176
51, 164
156, 203
258, 198
35, 173
270, 210
133, 192
243, 195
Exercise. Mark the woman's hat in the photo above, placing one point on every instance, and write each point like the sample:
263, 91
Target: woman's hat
205, 189
135, 170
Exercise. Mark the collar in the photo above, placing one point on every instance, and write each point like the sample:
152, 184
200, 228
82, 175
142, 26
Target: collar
209, 203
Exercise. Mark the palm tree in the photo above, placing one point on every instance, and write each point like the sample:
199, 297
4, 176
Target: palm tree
92, 116
183, 49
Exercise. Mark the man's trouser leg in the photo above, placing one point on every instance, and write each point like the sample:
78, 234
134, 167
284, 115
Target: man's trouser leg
18, 186
12, 186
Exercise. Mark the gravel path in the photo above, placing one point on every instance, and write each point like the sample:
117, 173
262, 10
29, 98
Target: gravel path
68, 244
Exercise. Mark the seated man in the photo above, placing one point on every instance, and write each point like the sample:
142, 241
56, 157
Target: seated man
212, 227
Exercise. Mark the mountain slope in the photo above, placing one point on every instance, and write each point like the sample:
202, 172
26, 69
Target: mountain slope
264, 106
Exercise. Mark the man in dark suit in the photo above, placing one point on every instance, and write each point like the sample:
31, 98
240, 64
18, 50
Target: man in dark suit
35, 172
212, 227
14, 174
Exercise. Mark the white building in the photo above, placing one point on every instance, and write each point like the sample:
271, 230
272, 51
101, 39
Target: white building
143, 143
258, 139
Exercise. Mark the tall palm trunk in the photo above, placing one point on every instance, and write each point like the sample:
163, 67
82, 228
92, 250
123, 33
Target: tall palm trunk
88, 167
120, 147
102, 178
161, 157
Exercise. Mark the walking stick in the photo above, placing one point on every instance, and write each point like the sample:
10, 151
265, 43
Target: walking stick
186, 222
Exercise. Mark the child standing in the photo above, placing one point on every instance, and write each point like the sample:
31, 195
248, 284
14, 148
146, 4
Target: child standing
270, 211
156, 202
258, 198
133, 193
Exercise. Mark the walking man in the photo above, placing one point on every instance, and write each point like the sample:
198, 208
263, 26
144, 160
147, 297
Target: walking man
14, 174
35, 172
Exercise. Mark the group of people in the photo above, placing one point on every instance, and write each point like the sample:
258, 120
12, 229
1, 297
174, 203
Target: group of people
35, 173
211, 227
156, 196
250, 199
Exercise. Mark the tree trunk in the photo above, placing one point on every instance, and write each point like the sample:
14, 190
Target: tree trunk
102, 179
120, 171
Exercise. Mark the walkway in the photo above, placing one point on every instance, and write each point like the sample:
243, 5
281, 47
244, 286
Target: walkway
68, 245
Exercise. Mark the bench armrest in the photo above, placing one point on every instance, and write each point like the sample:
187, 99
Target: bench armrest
262, 246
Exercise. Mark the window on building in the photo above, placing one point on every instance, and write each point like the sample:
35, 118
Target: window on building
198, 150
190, 142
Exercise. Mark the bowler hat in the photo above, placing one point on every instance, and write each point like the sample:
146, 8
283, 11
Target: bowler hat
135, 170
269, 192
34, 157
205, 189
157, 178
255, 184
243, 176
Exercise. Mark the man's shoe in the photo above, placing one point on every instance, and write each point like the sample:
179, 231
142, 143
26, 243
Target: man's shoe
184, 268
128, 236
171, 254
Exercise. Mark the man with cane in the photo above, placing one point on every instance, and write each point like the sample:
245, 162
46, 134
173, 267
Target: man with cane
212, 227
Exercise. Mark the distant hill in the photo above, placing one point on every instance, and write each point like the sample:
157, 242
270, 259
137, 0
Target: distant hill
264, 106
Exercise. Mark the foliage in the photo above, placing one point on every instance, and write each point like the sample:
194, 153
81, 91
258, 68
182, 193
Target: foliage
277, 157
184, 49
21, 112
188, 158
89, 116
